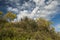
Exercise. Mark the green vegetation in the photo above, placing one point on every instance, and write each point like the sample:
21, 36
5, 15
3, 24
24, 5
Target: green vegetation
26, 29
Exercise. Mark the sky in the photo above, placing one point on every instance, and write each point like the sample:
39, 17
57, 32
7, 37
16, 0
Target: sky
47, 9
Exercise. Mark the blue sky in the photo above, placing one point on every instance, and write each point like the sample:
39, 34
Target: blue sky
48, 9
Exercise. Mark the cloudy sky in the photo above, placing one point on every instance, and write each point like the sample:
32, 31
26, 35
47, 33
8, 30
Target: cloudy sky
48, 9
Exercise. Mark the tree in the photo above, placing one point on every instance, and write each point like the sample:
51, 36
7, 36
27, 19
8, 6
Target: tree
10, 16
2, 19
1, 14
43, 24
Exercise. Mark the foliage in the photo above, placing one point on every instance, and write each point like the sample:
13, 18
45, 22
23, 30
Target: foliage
10, 16
1, 13
26, 29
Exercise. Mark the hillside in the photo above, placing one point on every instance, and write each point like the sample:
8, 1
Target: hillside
26, 29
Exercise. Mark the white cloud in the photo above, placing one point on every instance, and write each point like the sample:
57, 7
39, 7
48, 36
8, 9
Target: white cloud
57, 27
22, 14
38, 10
13, 9
39, 2
43, 10
52, 5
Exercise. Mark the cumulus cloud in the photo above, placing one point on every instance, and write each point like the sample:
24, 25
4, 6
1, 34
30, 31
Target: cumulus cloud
52, 5
13, 9
22, 14
35, 9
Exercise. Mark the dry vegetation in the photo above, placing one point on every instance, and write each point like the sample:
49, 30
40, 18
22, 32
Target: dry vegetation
26, 29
